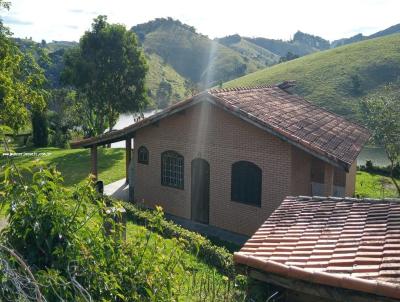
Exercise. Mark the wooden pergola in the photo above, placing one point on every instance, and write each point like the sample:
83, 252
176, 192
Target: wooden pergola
128, 133
108, 138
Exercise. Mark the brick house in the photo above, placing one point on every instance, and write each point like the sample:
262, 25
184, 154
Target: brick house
228, 157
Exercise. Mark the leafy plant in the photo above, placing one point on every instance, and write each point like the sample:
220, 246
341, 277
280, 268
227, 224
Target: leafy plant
71, 242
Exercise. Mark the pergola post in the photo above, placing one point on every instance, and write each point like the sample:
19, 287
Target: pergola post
328, 179
93, 157
128, 156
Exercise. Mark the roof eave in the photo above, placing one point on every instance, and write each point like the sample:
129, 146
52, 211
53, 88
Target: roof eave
351, 283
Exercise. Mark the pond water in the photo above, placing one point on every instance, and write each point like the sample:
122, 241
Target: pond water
125, 120
376, 154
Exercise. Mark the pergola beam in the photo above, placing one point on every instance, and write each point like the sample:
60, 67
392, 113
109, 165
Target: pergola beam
128, 157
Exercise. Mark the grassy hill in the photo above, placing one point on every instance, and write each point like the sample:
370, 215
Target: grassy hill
192, 55
161, 72
360, 37
250, 51
337, 78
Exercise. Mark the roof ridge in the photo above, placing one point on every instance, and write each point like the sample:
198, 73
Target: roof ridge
241, 88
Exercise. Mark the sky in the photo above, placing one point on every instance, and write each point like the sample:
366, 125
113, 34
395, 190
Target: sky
331, 19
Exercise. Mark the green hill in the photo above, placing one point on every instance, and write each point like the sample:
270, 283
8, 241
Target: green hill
192, 55
337, 78
163, 82
249, 51
360, 37
301, 44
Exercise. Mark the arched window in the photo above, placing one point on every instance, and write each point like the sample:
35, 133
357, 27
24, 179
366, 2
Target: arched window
246, 180
143, 155
172, 166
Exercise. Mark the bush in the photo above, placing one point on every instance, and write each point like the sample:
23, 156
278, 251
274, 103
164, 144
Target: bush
211, 254
66, 254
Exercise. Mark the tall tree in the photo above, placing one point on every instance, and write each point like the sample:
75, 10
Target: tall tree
108, 69
21, 81
382, 116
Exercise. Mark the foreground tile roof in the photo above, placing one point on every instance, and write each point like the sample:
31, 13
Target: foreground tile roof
272, 108
347, 243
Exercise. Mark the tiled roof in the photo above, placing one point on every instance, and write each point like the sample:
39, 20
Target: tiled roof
347, 243
300, 121
288, 116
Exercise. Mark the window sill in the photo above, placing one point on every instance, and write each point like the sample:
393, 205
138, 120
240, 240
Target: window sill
172, 187
247, 204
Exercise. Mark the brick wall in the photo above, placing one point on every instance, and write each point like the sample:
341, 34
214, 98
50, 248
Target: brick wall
221, 138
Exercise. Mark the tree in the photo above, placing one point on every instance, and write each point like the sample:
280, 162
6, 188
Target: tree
40, 131
164, 93
108, 70
382, 116
288, 57
355, 84
21, 81
62, 116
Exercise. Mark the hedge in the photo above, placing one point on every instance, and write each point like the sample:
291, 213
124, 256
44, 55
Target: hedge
384, 171
197, 244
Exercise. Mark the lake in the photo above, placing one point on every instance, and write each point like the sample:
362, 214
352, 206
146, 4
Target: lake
376, 154
125, 120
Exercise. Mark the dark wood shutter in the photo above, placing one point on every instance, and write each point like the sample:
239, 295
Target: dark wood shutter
246, 182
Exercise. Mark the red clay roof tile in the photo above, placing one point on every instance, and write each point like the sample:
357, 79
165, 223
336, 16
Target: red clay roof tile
332, 251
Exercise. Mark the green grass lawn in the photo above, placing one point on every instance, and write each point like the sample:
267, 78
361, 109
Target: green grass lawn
74, 164
374, 186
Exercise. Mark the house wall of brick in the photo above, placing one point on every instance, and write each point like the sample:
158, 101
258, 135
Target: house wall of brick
221, 138
208, 132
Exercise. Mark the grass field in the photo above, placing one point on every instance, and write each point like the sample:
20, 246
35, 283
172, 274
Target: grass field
374, 186
327, 77
74, 164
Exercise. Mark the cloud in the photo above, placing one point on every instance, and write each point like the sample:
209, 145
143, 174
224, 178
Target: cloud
15, 21
329, 19
72, 26
77, 11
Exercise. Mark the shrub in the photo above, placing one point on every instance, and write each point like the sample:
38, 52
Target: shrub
384, 171
60, 237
